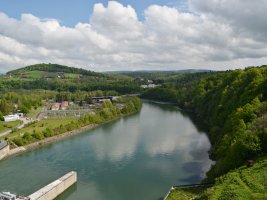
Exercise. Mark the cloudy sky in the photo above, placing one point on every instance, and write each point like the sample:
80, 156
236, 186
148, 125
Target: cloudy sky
133, 35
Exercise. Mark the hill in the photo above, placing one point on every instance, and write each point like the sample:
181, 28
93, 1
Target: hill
232, 105
64, 78
50, 71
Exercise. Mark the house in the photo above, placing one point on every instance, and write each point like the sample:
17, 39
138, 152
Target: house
11, 118
64, 105
143, 86
149, 86
55, 106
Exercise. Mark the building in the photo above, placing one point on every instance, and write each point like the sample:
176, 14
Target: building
19, 114
11, 118
55, 106
149, 86
64, 105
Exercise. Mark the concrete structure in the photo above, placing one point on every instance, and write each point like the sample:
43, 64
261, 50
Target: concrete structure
55, 188
149, 86
11, 118
4, 149
101, 99
20, 114
7, 196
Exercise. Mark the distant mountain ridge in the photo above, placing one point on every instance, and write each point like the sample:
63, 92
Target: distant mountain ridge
156, 71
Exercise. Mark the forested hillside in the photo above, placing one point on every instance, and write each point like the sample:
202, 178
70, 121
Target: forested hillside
64, 78
233, 105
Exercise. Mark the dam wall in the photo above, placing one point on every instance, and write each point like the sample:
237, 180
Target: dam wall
54, 189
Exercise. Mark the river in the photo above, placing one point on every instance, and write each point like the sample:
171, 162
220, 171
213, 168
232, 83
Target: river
137, 157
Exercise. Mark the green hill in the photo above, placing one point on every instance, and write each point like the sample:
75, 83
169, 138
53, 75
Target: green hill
39, 71
64, 78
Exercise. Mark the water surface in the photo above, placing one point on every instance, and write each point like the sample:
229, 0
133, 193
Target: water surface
135, 158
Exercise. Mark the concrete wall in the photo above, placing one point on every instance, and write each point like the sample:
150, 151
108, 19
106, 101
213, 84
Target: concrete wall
4, 152
55, 188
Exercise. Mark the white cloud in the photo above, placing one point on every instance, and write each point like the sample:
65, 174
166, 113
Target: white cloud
214, 34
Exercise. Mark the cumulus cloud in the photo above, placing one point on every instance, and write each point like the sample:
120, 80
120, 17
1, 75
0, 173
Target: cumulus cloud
214, 34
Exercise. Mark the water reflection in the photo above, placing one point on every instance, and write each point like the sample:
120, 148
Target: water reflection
148, 151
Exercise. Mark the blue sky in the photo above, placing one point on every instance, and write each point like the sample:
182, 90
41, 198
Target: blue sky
70, 12
109, 35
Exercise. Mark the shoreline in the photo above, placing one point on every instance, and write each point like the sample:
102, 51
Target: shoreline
50, 140
56, 138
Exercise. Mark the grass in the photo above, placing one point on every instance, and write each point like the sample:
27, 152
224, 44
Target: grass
42, 125
34, 112
30, 75
5, 126
71, 76
241, 184
185, 193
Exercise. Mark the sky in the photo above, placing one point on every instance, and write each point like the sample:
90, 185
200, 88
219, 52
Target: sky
134, 35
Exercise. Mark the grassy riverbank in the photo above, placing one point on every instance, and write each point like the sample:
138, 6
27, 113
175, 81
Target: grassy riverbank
41, 130
243, 183
5, 126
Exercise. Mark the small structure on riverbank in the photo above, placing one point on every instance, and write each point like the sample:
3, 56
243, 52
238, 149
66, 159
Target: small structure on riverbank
49, 192
52, 190
4, 149
7, 196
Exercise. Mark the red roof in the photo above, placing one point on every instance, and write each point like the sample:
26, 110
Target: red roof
56, 106
64, 104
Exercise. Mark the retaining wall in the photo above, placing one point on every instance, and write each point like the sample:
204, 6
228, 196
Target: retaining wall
4, 150
55, 188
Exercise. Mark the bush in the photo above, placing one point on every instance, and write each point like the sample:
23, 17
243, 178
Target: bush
38, 136
18, 141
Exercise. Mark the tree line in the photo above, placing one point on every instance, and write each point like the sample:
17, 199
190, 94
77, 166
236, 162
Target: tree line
233, 105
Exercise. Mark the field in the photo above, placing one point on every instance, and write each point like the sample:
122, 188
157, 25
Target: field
42, 125
5, 126
34, 112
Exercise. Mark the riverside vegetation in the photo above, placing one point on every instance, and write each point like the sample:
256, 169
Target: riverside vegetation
28, 89
233, 105
49, 128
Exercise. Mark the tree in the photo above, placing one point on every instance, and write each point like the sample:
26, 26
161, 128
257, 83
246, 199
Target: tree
1, 116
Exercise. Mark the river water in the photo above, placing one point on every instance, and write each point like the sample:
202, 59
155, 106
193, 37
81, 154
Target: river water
134, 158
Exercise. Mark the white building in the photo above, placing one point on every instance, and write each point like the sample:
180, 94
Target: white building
11, 118
149, 86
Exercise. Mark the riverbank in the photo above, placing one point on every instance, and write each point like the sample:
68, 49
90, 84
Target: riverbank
242, 183
50, 140
42, 133
56, 138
